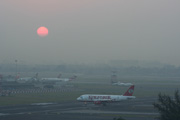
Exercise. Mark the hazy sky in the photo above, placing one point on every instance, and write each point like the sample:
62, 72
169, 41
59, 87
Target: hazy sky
83, 31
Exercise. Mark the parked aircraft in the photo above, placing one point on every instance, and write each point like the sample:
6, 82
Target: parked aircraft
122, 84
59, 79
103, 99
52, 79
114, 80
26, 79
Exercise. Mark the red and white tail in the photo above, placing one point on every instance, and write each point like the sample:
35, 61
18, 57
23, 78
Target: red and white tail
17, 76
130, 91
73, 78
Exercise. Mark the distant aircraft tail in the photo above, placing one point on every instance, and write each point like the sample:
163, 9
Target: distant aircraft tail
73, 78
36, 76
59, 76
17, 76
130, 91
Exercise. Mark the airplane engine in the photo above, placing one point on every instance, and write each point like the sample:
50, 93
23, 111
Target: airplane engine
97, 102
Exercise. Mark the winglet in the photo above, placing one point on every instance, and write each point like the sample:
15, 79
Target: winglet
130, 91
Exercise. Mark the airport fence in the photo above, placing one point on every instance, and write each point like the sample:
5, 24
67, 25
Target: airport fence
44, 90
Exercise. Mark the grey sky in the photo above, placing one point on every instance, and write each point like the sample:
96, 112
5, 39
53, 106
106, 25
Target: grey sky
83, 31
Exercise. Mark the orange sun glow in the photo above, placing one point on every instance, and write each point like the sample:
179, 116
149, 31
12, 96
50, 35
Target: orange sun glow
42, 31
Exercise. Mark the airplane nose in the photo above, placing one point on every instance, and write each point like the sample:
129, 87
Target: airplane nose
78, 98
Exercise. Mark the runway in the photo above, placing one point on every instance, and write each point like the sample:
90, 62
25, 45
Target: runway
137, 109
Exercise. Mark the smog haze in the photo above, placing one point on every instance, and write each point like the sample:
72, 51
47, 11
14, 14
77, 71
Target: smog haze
90, 31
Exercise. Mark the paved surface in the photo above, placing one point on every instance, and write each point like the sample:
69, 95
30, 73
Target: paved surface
137, 109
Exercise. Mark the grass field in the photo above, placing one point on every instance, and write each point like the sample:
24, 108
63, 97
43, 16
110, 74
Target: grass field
144, 87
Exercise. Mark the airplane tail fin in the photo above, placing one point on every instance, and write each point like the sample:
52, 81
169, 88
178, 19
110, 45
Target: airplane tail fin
59, 76
36, 75
73, 78
17, 76
130, 91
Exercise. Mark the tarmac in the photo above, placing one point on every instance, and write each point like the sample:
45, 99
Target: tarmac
136, 109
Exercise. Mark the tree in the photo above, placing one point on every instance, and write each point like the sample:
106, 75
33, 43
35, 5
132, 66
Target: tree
168, 108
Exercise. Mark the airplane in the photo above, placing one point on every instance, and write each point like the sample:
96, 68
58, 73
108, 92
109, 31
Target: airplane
103, 99
115, 82
59, 79
52, 79
26, 79
69, 79
122, 84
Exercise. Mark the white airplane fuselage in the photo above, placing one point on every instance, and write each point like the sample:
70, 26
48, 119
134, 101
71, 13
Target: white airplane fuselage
103, 98
55, 79
58, 79
99, 98
122, 84
26, 79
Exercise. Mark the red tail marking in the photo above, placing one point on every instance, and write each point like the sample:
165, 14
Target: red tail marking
73, 78
17, 76
130, 91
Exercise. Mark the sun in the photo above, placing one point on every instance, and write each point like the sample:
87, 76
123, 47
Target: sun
42, 31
